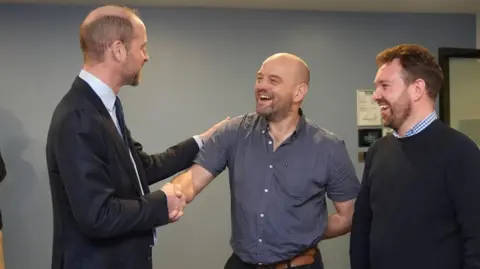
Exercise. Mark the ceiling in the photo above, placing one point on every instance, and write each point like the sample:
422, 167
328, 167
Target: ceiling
423, 6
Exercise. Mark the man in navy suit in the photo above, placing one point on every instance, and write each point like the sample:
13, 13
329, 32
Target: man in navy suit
104, 214
3, 170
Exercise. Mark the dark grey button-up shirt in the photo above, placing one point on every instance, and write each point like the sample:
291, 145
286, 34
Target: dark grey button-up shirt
278, 197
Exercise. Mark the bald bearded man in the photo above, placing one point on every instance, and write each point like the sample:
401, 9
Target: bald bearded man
281, 167
104, 214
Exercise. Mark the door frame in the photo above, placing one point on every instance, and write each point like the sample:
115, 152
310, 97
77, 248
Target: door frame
444, 55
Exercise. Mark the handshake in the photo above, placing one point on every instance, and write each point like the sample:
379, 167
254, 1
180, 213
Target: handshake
176, 200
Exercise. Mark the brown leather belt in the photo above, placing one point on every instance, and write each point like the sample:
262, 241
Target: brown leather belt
305, 258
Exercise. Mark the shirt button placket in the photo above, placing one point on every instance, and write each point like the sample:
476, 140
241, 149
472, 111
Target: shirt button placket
262, 215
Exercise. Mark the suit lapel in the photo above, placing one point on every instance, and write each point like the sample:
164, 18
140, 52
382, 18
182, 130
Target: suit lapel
138, 163
120, 146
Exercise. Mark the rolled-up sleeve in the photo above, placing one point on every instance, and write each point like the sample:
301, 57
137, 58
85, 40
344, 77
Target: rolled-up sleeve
343, 183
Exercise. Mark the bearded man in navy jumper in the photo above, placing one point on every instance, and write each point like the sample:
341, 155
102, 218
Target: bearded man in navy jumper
419, 204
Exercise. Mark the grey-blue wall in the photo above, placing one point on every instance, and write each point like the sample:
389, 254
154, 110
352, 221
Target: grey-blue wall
202, 68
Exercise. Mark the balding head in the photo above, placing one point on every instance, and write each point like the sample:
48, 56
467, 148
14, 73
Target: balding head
282, 83
299, 69
103, 26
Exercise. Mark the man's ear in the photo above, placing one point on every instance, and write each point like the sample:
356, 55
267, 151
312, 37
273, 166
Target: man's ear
419, 89
300, 92
119, 51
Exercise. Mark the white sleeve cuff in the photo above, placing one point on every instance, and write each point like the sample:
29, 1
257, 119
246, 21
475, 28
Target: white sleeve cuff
198, 140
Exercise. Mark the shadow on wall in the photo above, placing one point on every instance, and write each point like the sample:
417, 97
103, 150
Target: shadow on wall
16, 192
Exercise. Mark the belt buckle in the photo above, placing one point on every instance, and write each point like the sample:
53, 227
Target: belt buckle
272, 266
265, 266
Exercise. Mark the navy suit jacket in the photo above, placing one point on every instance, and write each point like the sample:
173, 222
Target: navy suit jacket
3, 170
101, 220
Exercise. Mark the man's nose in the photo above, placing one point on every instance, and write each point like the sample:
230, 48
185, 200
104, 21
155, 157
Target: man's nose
261, 84
376, 95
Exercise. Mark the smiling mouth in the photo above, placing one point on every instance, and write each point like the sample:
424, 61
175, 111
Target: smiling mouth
263, 97
384, 107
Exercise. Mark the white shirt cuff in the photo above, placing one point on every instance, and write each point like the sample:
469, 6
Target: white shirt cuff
198, 140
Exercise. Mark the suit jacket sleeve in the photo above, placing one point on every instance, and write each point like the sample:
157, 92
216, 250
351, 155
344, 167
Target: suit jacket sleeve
361, 223
163, 165
3, 170
81, 154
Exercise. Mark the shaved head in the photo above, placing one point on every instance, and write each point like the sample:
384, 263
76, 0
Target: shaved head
299, 67
102, 27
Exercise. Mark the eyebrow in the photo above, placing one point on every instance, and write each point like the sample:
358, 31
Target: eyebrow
275, 76
382, 81
270, 76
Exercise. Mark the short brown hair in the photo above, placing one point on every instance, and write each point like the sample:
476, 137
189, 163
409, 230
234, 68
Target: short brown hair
97, 35
418, 63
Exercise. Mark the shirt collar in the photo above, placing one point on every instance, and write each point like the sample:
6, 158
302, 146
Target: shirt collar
104, 92
420, 126
301, 123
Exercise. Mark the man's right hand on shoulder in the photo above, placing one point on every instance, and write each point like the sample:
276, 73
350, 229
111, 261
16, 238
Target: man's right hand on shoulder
176, 200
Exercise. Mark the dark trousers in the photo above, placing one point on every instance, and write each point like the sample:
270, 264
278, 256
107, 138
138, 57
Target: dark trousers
234, 262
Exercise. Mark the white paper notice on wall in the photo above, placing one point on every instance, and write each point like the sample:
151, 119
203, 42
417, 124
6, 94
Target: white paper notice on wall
368, 111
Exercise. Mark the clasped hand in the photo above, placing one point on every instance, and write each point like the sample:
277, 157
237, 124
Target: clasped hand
176, 200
